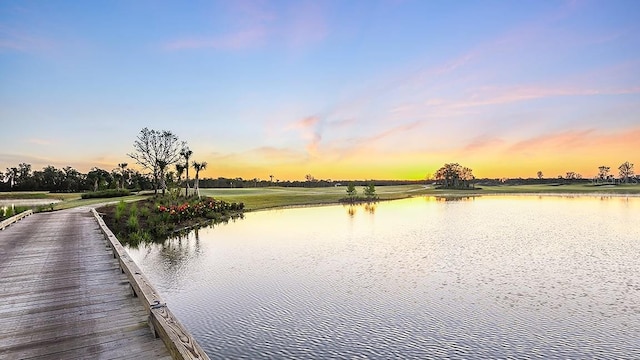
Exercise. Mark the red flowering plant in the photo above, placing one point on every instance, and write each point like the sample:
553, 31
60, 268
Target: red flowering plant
200, 208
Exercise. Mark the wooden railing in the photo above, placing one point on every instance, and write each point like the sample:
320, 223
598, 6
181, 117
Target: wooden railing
163, 323
11, 220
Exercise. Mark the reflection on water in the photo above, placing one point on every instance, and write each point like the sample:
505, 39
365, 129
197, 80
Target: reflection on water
369, 207
445, 198
489, 277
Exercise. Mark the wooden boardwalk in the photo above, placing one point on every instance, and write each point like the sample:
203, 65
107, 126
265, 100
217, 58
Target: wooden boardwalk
63, 295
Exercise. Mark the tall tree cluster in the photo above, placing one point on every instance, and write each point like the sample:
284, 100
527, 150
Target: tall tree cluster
156, 150
453, 175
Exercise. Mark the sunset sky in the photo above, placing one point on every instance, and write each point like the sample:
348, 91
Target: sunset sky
337, 89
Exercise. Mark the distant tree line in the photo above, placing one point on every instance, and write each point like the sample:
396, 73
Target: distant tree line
23, 178
626, 175
68, 179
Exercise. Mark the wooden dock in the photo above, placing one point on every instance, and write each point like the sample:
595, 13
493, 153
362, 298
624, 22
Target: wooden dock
64, 296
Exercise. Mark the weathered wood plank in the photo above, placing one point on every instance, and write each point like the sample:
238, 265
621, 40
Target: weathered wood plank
63, 296
180, 343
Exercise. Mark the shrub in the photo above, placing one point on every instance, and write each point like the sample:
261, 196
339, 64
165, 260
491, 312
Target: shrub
133, 211
106, 194
132, 223
144, 212
10, 211
139, 236
119, 210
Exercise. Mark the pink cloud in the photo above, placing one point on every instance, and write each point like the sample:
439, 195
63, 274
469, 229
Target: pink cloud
559, 141
510, 95
483, 142
306, 123
310, 132
307, 24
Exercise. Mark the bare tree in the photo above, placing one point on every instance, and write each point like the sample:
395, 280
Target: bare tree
540, 176
197, 167
572, 175
625, 171
123, 173
603, 172
466, 175
154, 151
11, 176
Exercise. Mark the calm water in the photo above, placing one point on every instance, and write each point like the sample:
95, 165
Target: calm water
486, 277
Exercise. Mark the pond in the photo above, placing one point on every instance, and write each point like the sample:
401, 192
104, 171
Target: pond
8, 206
27, 202
480, 277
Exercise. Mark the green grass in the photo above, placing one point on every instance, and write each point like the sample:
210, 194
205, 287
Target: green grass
563, 189
264, 198
272, 197
28, 195
68, 204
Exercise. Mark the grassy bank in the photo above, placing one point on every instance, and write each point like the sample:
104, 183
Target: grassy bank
264, 198
66, 200
157, 218
273, 197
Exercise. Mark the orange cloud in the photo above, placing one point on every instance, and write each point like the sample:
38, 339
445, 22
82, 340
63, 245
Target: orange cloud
565, 140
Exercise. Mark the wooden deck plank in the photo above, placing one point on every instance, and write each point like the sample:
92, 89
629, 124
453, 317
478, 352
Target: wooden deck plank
63, 295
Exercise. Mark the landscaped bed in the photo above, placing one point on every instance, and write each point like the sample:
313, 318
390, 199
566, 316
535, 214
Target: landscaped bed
159, 217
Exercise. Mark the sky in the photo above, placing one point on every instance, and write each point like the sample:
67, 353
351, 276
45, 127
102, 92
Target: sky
336, 89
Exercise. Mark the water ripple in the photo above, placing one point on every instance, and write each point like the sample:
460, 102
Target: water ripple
497, 277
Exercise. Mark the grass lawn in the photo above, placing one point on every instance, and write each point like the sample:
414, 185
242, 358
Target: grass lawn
264, 198
564, 189
67, 200
272, 197
77, 201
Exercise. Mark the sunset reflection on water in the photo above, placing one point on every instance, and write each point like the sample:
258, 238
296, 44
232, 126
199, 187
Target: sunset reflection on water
458, 277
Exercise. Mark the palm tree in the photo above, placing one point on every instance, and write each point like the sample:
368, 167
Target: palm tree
186, 154
179, 171
197, 167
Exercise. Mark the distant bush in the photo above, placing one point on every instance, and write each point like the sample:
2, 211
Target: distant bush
106, 194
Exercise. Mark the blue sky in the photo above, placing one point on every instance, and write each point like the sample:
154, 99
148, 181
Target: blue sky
339, 89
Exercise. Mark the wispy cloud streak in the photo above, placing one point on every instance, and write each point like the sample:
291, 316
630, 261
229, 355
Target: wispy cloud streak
255, 24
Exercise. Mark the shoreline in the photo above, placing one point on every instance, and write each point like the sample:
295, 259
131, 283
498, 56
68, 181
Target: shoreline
473, 194
273, 198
